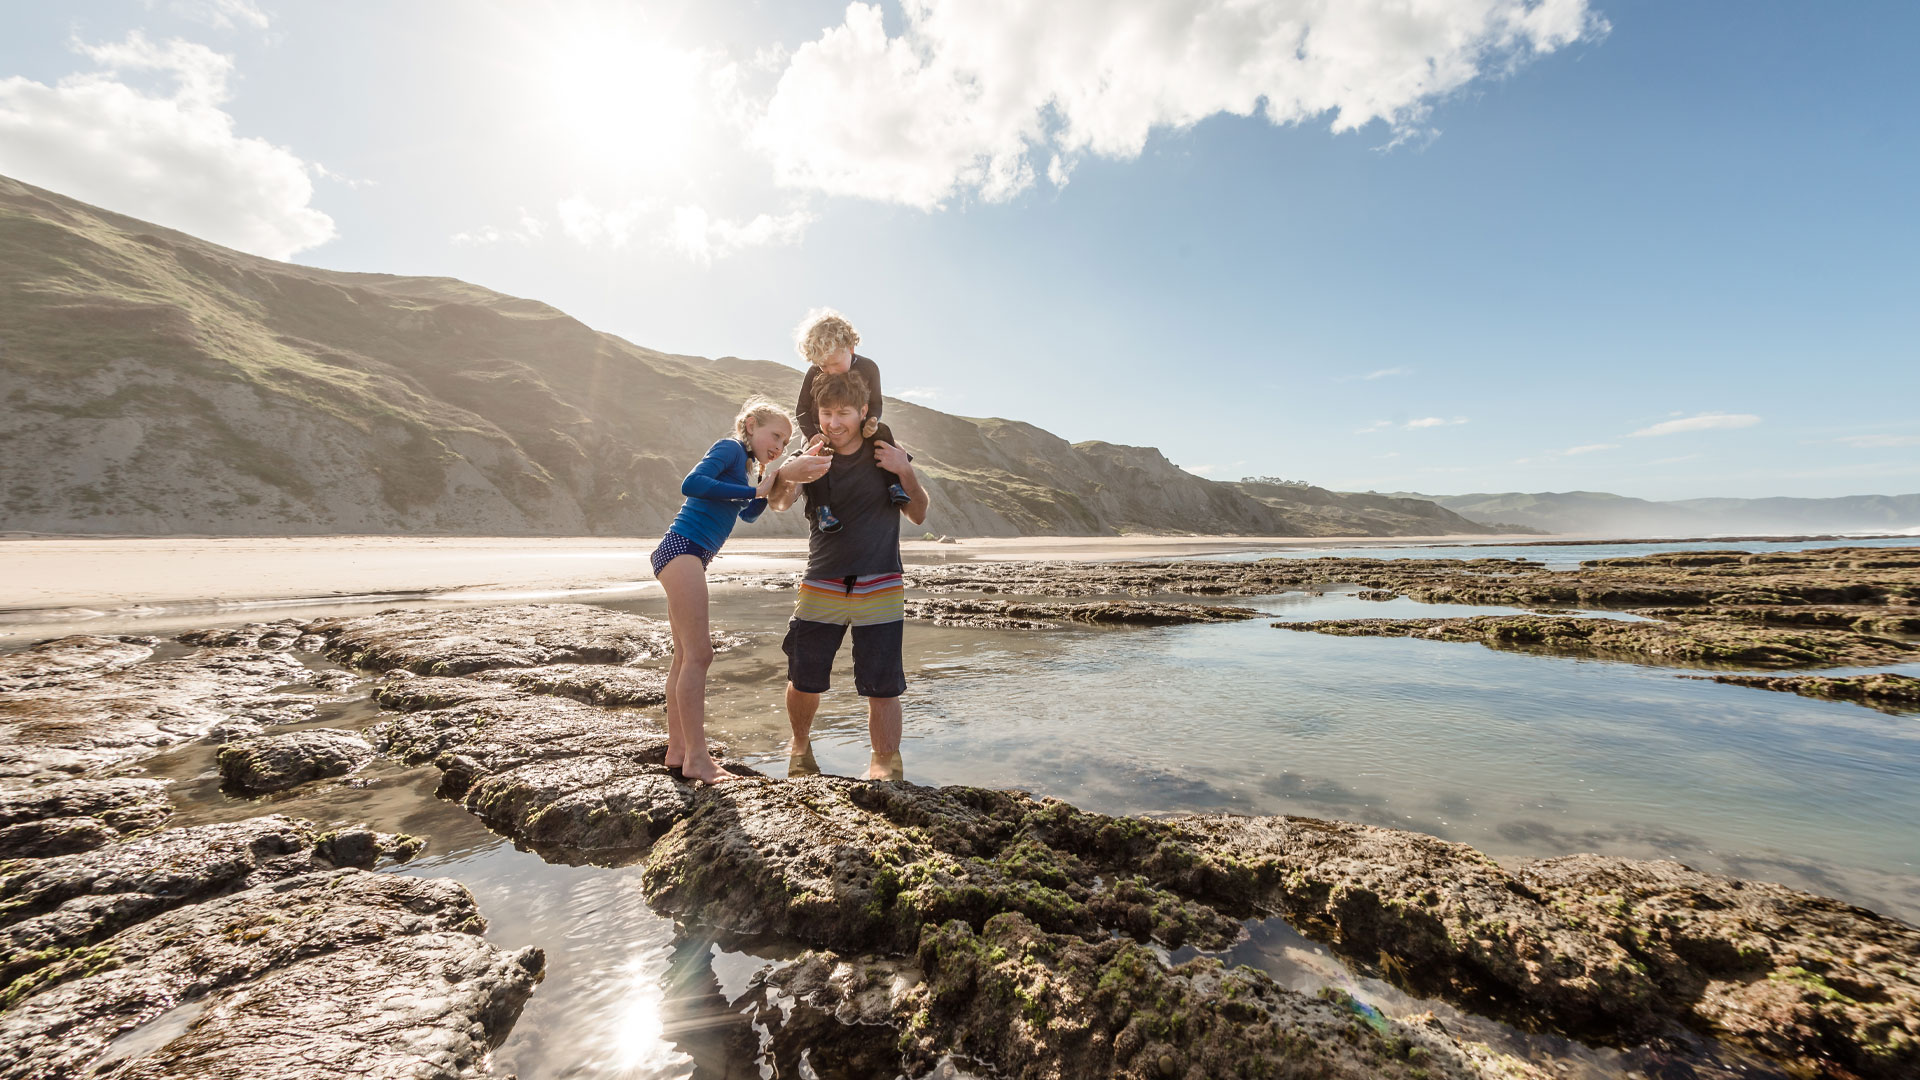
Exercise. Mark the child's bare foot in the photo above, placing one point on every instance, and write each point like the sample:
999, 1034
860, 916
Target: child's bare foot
708, 772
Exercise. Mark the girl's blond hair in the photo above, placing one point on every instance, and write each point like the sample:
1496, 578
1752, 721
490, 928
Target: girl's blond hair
823, 331
757, 411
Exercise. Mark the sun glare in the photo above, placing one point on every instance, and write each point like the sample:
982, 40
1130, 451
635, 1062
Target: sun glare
622, 96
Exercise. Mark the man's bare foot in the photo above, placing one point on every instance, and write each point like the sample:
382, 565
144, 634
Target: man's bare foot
886, 767
802, 764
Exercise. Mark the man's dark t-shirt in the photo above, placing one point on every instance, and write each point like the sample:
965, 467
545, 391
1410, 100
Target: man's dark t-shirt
869, 538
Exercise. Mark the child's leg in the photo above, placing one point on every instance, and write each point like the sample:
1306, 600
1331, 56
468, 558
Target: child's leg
884, 433
685, 582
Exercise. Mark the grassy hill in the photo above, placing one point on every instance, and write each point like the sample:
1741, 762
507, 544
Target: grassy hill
155, 383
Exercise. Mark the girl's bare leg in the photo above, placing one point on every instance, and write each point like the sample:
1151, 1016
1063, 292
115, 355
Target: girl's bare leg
685, 581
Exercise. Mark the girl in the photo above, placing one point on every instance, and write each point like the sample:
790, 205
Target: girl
717, 490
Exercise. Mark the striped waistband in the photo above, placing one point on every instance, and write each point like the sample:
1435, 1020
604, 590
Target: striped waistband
863, 600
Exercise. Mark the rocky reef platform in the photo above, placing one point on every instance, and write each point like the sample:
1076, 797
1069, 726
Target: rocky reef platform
922, 928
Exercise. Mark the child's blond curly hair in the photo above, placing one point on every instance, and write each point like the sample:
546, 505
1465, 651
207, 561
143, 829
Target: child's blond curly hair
823, 331
757, 411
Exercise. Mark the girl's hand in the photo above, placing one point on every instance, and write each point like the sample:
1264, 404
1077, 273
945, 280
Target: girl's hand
804, 468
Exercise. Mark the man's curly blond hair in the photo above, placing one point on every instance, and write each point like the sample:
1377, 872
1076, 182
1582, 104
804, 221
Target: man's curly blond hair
822, 332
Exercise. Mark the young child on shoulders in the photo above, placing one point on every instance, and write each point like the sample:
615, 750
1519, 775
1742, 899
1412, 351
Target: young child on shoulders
826, 341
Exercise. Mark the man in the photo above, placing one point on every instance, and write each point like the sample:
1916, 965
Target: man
853, 576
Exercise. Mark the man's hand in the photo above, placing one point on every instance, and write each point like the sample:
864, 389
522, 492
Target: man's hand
893, 459
804, 468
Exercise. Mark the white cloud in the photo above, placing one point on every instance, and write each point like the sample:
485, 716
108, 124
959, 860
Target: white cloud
1433, 421
1377, 425
1700, 422
1876, 441
919, 393
170, 157
1201, 470
1386, 373
976, 97
586, 223
1589, 448
220, 14
703, 238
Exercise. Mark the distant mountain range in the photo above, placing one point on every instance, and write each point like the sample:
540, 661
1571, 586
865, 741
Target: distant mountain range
154, 383
1598, 512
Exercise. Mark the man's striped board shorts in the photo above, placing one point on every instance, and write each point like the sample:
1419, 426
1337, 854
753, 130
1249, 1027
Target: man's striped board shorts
862, 600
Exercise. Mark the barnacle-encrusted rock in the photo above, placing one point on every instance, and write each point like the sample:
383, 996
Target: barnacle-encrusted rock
51, 906
324, 974
77, 657
67, 816
454, 641
62, 725
267, 763
595, 684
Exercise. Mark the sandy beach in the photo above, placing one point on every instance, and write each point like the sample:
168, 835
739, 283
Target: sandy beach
106, 574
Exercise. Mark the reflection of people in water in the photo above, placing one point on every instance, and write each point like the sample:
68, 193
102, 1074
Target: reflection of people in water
853, 578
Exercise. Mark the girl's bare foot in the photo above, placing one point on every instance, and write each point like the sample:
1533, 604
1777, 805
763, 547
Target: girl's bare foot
709, 772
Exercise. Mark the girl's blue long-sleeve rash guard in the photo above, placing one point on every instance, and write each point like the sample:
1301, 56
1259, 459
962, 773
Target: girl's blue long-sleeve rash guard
717, 492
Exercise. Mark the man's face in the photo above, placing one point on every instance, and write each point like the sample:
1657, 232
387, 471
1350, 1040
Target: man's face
841, 425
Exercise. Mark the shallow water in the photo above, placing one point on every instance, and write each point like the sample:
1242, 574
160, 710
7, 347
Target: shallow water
1520, 755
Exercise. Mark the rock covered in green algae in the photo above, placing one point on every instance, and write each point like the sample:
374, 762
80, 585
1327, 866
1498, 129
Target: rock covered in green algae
854, 866
1746, 645
1031, 615
1030, 1004
324, 974
461, 640
49, 907
268, 763
124, 710
68, 816
1797, 976
1900, 693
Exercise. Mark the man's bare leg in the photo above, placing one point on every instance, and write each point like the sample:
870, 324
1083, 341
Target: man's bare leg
883, 732
800, 709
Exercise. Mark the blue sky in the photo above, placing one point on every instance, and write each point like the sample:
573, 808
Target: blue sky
1667, 250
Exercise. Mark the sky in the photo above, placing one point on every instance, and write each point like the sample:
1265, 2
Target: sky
1665, 250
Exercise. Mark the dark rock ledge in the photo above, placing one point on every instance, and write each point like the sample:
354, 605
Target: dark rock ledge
1030, 615
69, 816
1892, 693
959, 915
268, 763
90, 708
456, 641
322, 974
1687, 643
